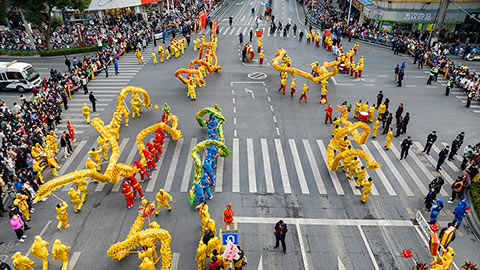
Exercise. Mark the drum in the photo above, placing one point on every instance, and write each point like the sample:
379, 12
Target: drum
363, 116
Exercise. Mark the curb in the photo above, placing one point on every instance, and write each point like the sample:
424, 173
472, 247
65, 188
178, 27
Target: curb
473, 219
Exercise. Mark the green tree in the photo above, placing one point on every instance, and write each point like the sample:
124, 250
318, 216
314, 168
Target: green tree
36, 9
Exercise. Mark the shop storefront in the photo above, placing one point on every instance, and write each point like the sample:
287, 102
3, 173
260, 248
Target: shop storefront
422, 20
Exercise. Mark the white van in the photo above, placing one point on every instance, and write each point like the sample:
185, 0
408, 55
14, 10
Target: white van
19, 76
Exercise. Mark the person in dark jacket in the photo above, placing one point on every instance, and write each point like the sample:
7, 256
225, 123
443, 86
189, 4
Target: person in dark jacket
406, 119
431, 138
431, 196
398, 113
93, 100
63, 144
441, 157
401, 74
388, 122
280, 232
405, 147
436, 184
399, 126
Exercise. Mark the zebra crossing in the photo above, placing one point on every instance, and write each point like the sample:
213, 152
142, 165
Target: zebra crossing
267, 166
105, 89
226, 30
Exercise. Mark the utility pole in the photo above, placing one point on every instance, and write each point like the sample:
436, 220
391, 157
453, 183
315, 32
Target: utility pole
442, 10
349, 11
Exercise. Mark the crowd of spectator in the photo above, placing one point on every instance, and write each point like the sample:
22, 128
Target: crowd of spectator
30, 121
414, 43
182, 19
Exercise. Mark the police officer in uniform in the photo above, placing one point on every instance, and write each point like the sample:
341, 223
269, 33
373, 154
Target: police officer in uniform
431, 138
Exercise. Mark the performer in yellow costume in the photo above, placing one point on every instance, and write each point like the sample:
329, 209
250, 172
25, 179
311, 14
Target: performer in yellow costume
381, 109
52, 162
389, 139
75, 198
167, 52
86, 112
358, 106
62, 215
60, 251
21, 202
161, 53
365, 107
163, 198
135, 108
352, 166
360, 174
138, 54
102, 144
375, 128
38, 169
367, 187
90, 164
371, 112
201, 255
40, 251
146, 264
22, 262
191, 89
82, 186
154, 57
96, 157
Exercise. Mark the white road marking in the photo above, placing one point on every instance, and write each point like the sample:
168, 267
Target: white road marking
233, 29
153, 181
326, 221
236, 166
173, 165
333, 175
283, 167
260, 263
367, 245
334, 80
409, 170
175, 261
313, 165
380, 173
219, 175
302, 247
188, 168
266, 166
298, 167
252, 180
73, 260
434, 163
394, 170
340, 265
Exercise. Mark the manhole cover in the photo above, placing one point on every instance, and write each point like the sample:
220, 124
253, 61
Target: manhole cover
257, 75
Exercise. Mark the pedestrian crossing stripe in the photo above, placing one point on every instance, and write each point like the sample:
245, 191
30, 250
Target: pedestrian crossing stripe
296, 161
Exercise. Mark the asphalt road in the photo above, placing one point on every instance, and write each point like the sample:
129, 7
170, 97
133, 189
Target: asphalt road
277, 167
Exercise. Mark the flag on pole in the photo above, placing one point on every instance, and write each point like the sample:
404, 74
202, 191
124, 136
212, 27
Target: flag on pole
203, 18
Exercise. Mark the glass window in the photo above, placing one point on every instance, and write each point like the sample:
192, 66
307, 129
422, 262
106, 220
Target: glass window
14, 76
